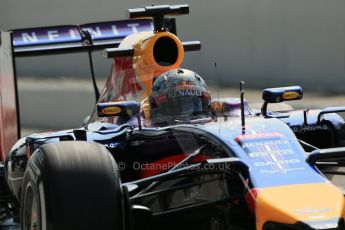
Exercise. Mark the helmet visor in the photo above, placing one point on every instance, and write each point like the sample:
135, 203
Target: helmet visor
185, 106
181, 108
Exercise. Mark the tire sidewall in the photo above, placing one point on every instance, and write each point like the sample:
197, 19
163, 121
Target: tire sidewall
31, 193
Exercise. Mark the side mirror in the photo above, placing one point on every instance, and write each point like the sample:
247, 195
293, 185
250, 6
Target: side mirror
280, 94
120, 108
334, 154
330, 162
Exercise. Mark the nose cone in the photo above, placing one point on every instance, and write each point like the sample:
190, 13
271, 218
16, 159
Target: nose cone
319, 206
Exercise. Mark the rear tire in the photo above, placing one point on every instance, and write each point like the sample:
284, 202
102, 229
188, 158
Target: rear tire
72, 185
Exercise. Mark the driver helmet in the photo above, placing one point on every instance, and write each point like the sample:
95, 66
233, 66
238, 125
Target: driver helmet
178, 95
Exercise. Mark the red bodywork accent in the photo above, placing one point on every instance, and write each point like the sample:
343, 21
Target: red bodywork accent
257, 135
251, 198
122, 84
8, 103
130, 84
162, 165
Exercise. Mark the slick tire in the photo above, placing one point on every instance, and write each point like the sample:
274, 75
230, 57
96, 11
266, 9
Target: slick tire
72, 185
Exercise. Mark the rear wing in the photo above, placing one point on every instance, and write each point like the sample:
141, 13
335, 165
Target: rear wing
76, 38
49, 41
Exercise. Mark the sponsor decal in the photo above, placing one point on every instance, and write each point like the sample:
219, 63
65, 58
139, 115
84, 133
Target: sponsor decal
290, 95
274, 163
182, 93
49, 35
307, 128
272, 156
184, 89
186, 86
182, 83
63, 34
269, 153
112, 145
257, 135
160, 99
111, 111
278, 171
308, 211
137, 143
117, 29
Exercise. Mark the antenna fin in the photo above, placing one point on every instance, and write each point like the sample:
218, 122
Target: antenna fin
242, 107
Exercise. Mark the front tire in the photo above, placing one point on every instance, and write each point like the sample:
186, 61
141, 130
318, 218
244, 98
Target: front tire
72, 185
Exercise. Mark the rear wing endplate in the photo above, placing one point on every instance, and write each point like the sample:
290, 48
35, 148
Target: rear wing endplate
9, 110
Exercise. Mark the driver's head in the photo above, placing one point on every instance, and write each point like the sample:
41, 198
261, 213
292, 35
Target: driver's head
178, 95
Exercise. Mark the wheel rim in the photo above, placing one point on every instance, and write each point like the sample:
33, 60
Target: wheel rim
30, 215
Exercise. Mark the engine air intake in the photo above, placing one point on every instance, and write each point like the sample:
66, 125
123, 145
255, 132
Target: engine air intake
165, 51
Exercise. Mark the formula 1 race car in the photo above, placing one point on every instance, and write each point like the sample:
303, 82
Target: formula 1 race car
158, 152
